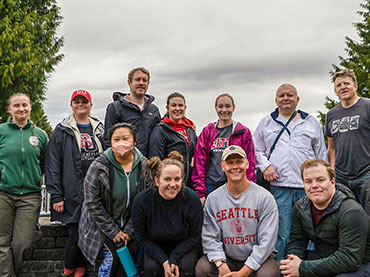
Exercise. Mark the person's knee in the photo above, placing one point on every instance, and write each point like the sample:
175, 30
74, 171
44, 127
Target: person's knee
269, 268
19, 245
152, 266
188, 262
203, 267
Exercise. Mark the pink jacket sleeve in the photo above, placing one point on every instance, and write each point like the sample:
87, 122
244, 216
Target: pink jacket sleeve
200, 164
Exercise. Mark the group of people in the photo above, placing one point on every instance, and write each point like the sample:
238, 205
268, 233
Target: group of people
187, 205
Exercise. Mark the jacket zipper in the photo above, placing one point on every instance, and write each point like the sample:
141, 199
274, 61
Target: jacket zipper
22, 143
128, 196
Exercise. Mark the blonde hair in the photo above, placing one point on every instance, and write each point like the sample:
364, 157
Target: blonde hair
18, 94
142, 69
345, 73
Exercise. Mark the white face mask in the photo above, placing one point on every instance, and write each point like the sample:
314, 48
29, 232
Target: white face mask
121, 148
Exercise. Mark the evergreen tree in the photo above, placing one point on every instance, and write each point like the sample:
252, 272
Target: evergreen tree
29, 50
358, 58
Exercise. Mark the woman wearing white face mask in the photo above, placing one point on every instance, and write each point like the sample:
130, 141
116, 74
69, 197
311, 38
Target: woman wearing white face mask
111, 183
73, 145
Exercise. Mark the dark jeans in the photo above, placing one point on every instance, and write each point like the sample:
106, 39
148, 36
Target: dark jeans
73, 257
186, 265
360, 188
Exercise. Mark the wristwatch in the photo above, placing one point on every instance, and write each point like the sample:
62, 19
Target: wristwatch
219, 263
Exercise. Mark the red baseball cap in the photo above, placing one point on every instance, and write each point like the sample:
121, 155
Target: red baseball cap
83, 93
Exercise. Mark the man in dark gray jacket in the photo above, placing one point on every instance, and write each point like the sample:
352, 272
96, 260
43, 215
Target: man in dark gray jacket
330, 217
136, 108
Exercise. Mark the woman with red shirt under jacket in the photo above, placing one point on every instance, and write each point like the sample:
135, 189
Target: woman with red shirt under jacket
175, 132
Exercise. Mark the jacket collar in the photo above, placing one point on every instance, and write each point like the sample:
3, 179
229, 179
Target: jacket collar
341, 193
275, 114
15, 126
120, 96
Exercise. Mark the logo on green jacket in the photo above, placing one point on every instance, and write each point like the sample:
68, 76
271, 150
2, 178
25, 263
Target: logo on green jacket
33, 140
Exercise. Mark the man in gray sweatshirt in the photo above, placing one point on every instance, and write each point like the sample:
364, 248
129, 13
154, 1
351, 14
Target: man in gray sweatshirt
240, 224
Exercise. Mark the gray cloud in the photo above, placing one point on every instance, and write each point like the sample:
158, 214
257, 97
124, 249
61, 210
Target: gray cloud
201, 48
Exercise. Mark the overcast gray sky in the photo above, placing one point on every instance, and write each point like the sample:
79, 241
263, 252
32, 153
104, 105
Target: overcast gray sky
201, 49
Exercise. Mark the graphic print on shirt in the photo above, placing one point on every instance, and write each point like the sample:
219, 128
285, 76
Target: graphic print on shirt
238, 219
347, 123
88, 147
219, 144
237, 226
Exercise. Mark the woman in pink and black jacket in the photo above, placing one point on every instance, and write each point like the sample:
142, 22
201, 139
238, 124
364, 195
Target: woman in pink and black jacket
214, 138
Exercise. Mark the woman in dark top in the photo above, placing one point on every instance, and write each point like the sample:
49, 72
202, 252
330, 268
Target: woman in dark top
175, 132
110, 185
74, 143
167, 221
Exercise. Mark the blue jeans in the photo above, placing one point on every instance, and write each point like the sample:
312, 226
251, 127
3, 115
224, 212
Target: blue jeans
285, 199
212, 187
360, 188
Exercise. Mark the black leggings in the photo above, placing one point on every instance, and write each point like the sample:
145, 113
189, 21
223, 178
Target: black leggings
186, 265
73, 257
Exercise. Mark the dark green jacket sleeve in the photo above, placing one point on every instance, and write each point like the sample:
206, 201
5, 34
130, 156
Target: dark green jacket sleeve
298, 240
352, 229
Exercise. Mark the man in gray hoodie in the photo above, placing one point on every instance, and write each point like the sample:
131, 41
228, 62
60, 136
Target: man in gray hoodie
240, 224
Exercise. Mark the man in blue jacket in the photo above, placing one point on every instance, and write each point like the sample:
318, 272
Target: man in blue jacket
136, 108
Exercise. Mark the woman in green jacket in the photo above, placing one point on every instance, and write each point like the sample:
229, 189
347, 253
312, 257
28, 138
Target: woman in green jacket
22, 147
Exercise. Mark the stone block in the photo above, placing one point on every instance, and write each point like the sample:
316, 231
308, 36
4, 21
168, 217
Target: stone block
49, 274
46, 242
54, 230
58, 266
48, 254
37, 266
28, 274
61, 242
27, 254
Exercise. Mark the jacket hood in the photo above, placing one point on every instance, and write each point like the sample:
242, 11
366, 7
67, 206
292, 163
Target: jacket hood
70, 123
185, 122
120, 96
237, 126
341, 193
345, 190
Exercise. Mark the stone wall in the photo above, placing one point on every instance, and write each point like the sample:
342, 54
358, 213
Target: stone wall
45, 259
